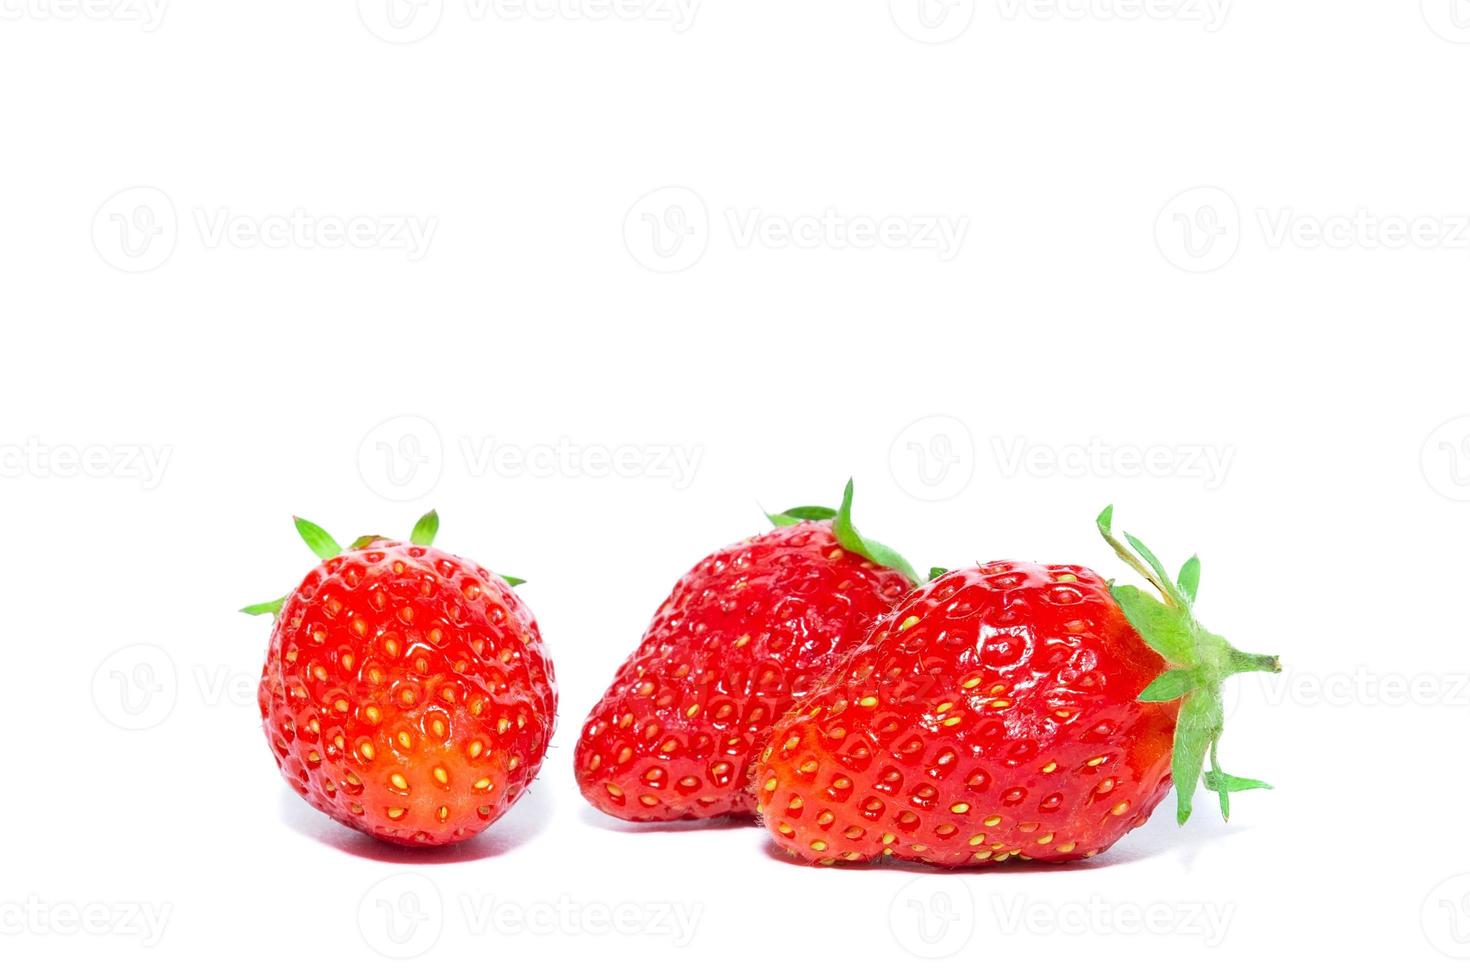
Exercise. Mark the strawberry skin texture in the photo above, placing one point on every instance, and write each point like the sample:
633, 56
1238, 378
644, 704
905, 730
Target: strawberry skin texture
407, 693
992, 715
743, 635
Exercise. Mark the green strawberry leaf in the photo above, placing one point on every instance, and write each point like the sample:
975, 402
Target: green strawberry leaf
1148, 556
320, 542
261, 608
1171, 685
1168, 629
1189, 579
425, 530
848, 536
936, 571
1105, 527
796, 515
1223, 784
512, 581
1200, 720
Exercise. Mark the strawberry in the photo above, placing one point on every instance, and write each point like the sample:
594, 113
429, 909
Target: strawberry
1006, 710
406, 692
746, 632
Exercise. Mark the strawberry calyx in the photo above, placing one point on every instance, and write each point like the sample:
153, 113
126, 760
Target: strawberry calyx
847, 534
324, 546
1198, 664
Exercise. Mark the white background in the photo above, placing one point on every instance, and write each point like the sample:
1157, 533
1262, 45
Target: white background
1229, 239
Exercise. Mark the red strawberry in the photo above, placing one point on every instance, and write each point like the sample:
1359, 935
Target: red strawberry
406, 692
1009, 710
746, 632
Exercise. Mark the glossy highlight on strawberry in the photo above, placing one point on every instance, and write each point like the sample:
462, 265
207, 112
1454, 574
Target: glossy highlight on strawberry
745, 633
407, 692
1009, 710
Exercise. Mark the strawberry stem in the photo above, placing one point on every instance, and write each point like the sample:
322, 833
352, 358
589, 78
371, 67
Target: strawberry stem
1241, 663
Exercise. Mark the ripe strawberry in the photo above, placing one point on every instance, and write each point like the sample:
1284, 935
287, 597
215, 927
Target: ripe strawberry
1009, 710
746, 632
406, 692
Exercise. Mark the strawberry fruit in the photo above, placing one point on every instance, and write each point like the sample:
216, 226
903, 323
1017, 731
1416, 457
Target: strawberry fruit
406, 692
1007, 710
744, 633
